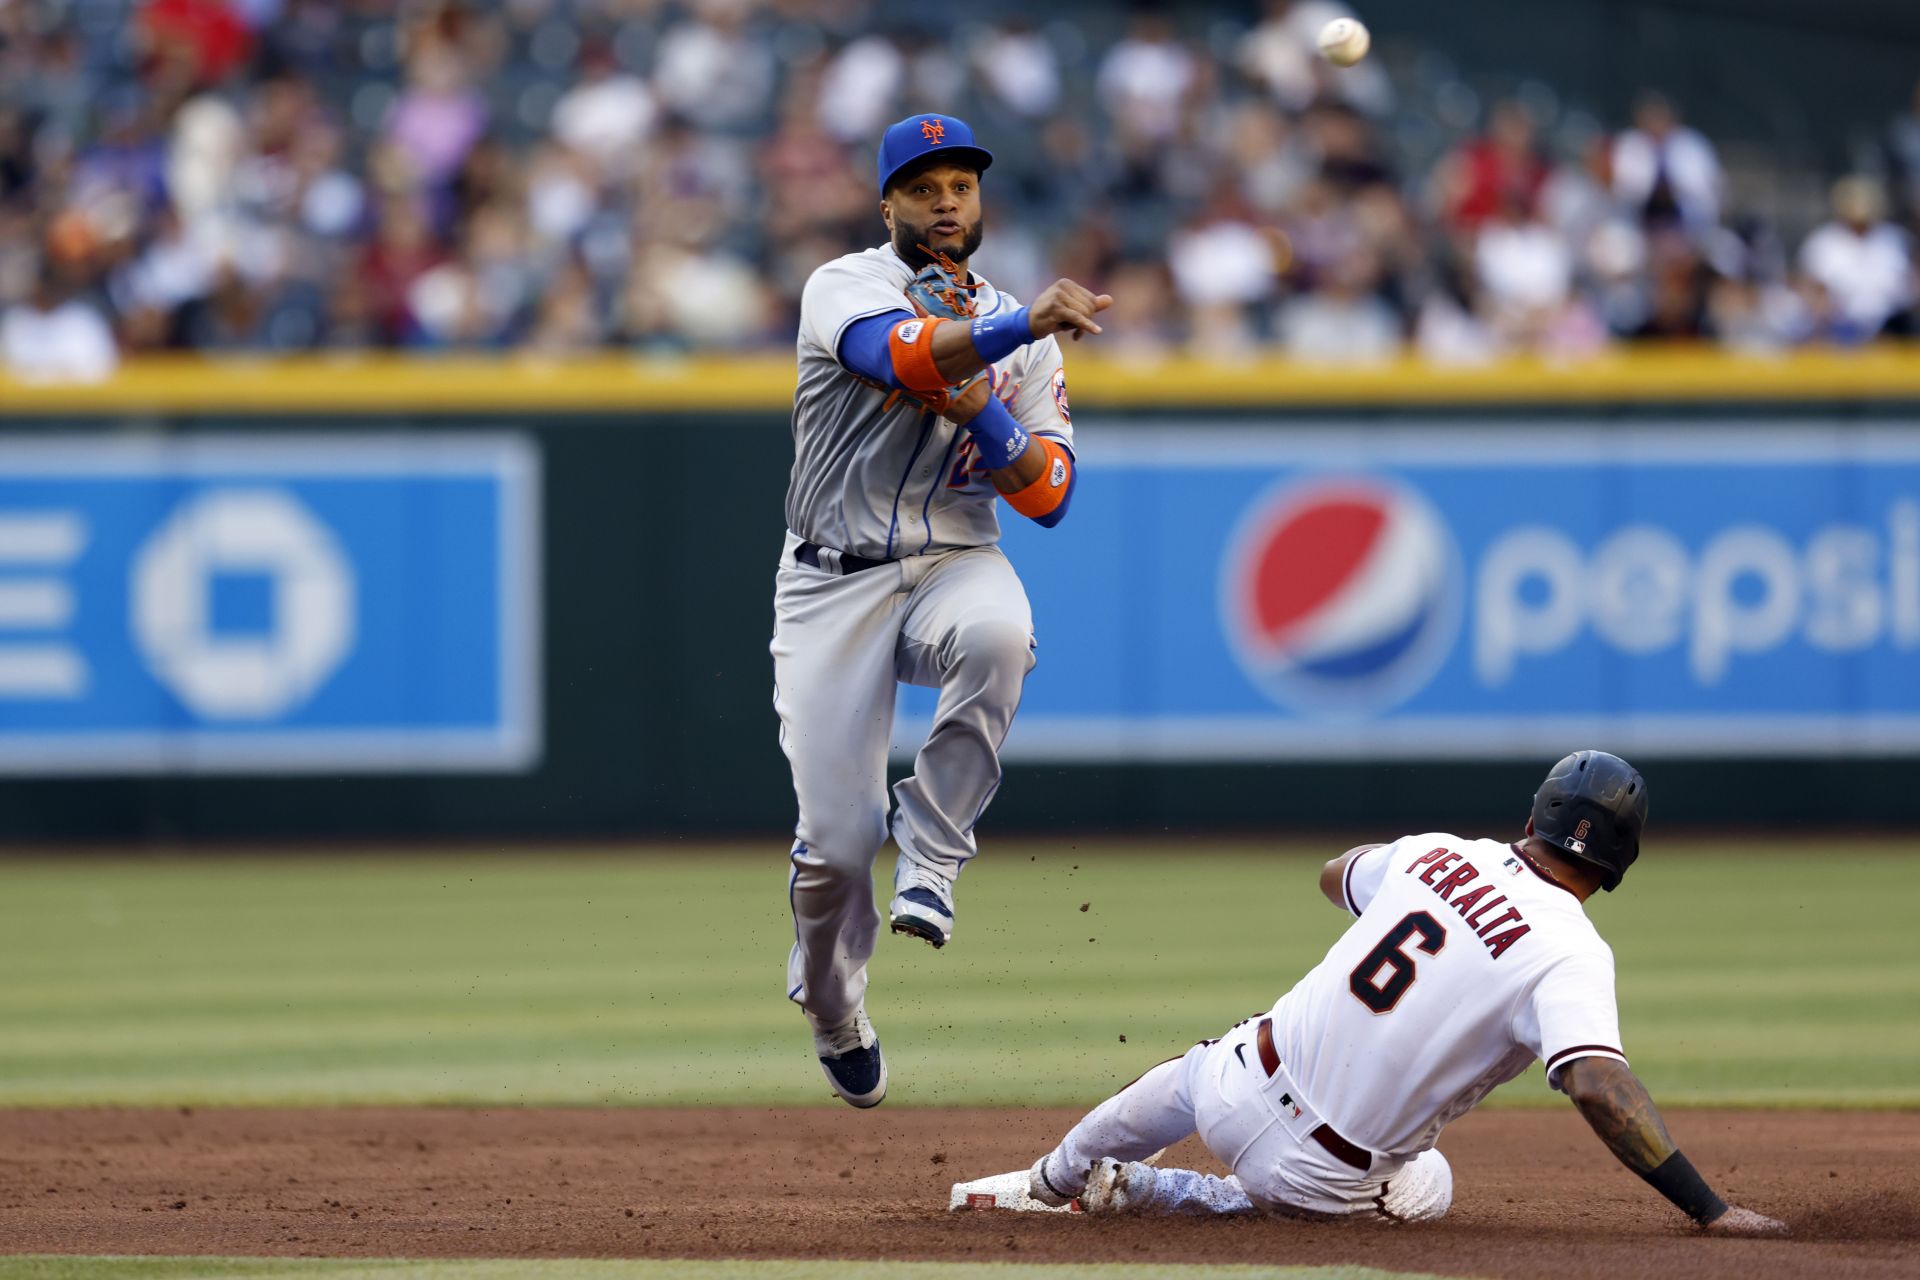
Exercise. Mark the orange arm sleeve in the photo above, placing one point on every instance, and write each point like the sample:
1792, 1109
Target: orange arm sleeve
1046, 495
910, 343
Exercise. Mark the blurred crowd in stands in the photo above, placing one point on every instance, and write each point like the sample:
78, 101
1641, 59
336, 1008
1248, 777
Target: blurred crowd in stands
661, 175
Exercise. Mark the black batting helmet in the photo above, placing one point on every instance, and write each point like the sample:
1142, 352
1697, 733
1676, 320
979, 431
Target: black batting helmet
1591, 807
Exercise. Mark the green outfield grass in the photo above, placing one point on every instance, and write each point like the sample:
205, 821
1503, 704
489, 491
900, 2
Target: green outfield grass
1765, 973
50, 1267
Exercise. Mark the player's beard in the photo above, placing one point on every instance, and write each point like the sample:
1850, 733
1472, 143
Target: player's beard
908, 239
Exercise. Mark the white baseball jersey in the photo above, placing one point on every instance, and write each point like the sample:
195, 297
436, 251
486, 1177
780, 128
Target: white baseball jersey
1464, 966
885, 483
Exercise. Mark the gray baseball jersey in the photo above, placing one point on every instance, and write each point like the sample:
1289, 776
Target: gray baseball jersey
885, 483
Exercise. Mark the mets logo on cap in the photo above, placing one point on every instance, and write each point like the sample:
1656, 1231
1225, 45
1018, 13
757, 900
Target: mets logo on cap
1340, 595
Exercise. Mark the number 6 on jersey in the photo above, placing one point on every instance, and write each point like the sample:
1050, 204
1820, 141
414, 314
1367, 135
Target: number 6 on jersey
1381, 997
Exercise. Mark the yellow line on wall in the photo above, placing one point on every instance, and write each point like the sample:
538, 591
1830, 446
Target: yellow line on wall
614, 384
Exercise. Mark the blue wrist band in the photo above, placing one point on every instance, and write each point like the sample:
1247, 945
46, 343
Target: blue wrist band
999, 437
997, 337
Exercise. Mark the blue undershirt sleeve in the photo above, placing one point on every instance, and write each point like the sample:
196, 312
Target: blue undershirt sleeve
863, 347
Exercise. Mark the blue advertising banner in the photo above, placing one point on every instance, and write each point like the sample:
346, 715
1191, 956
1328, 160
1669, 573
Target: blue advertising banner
1249, 593
269, 604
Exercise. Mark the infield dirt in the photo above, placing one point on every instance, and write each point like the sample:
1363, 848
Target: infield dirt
1535, 1194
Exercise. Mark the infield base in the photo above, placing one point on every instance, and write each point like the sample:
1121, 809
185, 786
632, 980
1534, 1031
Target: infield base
1002, 1191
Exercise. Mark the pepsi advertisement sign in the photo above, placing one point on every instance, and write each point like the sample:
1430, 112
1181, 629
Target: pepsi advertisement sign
1404, 591
279, 603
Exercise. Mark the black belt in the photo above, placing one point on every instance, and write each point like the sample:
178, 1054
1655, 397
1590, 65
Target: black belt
808, 553
1337, 1147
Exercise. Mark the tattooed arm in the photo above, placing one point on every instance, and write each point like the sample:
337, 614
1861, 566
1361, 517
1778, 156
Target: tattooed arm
1620, 1110
1622, 1113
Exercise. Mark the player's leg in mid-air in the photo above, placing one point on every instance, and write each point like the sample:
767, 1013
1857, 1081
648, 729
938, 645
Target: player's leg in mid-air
968, 631
833, 662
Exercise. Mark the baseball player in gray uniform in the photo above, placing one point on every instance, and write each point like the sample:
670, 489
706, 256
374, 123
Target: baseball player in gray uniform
925, 396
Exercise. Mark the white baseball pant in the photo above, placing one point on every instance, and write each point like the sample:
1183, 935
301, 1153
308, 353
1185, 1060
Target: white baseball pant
1219, 1090
957, 621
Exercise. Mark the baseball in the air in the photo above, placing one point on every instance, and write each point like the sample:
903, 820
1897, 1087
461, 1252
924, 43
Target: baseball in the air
1344, 41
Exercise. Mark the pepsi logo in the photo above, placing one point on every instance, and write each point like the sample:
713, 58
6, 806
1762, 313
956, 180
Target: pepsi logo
1341, 595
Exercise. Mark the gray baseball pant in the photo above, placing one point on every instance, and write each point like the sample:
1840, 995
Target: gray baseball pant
957, 621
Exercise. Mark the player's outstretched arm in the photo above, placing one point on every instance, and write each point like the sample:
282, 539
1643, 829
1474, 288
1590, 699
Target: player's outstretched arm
962, 350
1622, 1113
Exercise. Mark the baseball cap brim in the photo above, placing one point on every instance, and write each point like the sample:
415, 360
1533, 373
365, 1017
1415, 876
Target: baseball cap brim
974, 158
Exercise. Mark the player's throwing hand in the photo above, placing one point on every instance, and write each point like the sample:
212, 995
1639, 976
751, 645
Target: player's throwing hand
1065, 305
1745, 1222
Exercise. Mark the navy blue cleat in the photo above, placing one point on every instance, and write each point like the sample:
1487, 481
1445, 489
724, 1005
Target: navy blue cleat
850, 1055
922, 903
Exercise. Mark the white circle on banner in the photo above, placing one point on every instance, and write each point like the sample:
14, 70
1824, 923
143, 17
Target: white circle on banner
264, 532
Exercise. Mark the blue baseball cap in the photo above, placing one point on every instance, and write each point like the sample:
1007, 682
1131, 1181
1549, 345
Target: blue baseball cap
918, 137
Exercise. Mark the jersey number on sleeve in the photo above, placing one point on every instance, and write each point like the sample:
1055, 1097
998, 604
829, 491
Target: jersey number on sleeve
1381, 997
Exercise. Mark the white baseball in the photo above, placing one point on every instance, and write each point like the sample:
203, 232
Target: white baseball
1344, 41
